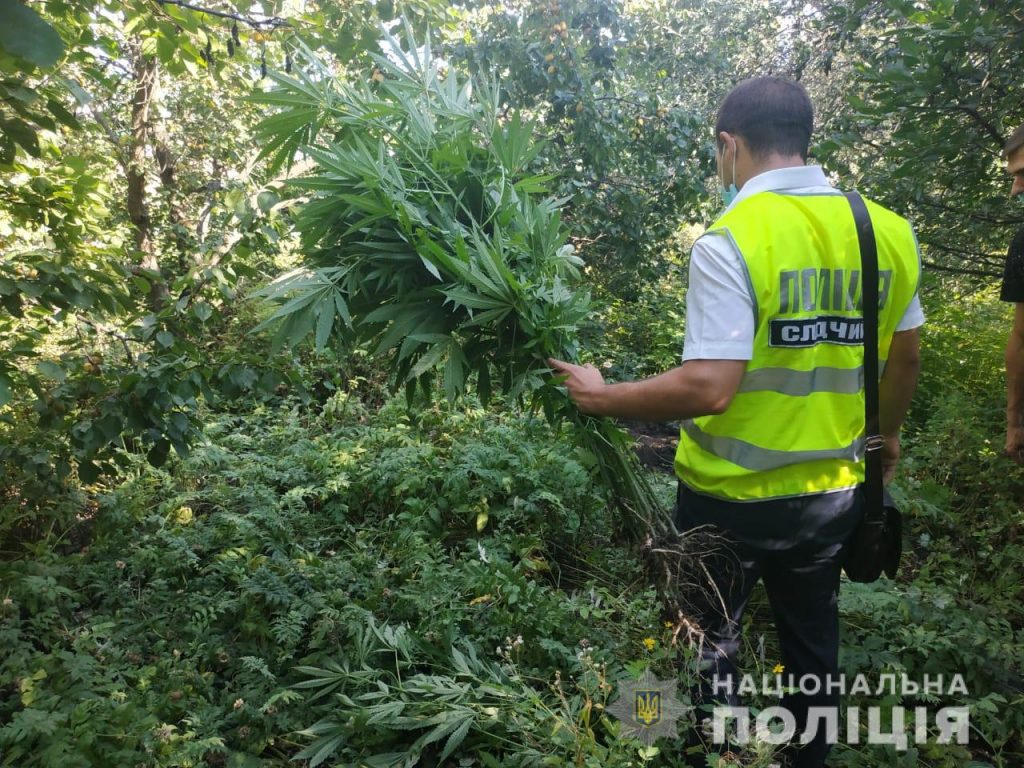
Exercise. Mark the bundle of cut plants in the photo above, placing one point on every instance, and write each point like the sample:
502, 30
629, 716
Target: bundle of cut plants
429, 240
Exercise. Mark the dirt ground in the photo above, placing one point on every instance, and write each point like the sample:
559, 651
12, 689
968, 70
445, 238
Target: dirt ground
655, 443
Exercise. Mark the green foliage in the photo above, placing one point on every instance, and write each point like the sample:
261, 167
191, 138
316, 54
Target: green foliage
965, 504
933, 99
25, 36
644, 336
464, 704
955, 609
91, 364
624, 96
426, 238
923, 630
317, 570
27, 43
423, 200
284, 559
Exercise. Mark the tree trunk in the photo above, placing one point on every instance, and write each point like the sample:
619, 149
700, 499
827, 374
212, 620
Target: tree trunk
167, 166
144, 70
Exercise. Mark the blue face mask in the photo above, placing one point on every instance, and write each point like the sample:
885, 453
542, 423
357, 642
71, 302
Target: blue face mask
729, 193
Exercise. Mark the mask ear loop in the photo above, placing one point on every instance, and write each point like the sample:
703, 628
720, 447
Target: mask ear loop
734, 167
718, 164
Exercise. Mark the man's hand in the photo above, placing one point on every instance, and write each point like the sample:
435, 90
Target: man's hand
890, 458
585, 384
1015, 444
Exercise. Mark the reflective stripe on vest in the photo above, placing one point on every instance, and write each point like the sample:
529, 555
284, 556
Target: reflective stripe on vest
801, 383
796, 423
757, 459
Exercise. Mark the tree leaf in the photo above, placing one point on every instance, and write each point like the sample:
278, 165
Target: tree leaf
322, 749
324, 324
342, 308
61, 113
22, 133
267, 199
51, 369
88, 472
25, 35
455, 373
483, 381
157, 455
456, 739
5, 389
430, 359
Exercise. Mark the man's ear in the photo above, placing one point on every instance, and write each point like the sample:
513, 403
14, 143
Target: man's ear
729, 143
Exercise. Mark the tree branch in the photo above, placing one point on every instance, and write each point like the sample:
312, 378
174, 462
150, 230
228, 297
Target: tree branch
925, 200
112, 137
272, 22
960, 270
110, 332
621, 100
989, 128
986, 257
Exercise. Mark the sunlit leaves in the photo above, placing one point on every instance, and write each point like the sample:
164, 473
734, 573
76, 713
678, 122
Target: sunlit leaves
932, 96
24, 35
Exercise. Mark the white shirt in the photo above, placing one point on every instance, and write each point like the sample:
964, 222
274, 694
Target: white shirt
719, 307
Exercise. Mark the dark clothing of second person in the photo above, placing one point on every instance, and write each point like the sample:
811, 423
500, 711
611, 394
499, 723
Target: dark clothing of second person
1013, 274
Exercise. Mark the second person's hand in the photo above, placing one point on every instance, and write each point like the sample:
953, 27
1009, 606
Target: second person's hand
890, 458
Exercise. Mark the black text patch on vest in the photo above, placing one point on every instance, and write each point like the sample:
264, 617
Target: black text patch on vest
810, 331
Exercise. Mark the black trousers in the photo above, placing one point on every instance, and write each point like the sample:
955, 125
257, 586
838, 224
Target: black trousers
801, 578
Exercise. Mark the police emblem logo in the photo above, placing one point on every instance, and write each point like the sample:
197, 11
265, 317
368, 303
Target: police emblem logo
648, 708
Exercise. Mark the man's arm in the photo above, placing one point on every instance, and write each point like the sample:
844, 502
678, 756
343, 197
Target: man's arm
895, 392
696, 388
1015, 388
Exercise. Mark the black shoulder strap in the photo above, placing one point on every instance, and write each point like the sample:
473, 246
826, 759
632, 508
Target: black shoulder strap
869, 283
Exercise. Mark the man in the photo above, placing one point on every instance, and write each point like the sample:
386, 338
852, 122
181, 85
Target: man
771, 449
1013, 290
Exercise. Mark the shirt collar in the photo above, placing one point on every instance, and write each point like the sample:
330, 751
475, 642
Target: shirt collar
782, 178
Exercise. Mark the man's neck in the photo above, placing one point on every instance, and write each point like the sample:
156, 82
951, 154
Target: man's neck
772, 162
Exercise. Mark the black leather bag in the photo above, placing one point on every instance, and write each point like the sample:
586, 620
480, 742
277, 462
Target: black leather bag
875, 547
877, 543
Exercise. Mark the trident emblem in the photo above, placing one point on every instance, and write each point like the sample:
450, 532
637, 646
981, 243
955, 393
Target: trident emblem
648, 707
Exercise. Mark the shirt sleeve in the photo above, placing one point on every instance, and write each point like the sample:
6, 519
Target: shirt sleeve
1013, 273
719, 307
913, 316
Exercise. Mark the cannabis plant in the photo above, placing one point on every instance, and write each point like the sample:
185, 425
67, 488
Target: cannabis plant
429, 239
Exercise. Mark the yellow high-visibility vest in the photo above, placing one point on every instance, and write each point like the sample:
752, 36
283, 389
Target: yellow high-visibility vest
796, 424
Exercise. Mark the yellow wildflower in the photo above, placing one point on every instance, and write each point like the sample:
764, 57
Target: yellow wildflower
778, 669
649, 643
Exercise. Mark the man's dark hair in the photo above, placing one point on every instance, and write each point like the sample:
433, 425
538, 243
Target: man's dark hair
1015, 142
772, 114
